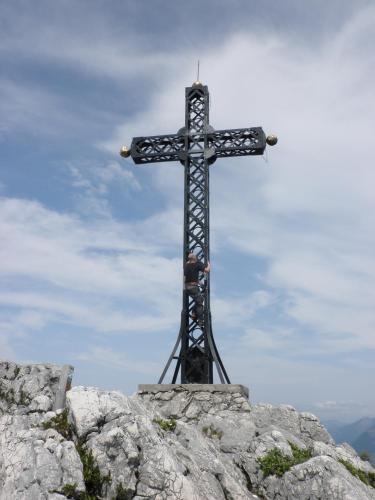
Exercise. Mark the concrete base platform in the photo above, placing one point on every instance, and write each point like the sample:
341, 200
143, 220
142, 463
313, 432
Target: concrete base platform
220, 388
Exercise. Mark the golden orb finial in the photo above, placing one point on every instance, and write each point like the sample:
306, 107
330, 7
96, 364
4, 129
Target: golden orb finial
196, 83
125, 152
271, 140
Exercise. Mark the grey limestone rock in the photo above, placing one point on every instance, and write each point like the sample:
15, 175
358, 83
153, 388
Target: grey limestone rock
304, 426
320, 477
165, 442
32, 388
35, 463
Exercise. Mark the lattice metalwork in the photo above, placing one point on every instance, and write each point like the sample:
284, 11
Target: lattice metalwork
236, 142
196, 146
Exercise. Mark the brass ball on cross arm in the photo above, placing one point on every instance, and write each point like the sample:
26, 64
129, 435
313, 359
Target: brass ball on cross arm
271, 140
125, 152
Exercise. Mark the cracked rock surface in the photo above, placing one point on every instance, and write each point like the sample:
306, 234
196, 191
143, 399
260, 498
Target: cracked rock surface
26, 389
165, 442
35, 463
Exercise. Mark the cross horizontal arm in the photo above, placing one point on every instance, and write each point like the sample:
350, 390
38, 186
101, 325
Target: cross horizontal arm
157, 148
238, 142
221, 143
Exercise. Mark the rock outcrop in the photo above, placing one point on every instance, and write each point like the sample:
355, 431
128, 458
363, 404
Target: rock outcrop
165, 442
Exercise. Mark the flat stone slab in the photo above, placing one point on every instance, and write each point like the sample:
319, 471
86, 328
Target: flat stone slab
222, 388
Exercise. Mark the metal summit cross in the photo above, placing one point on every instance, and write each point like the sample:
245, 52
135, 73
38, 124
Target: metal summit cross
197, 145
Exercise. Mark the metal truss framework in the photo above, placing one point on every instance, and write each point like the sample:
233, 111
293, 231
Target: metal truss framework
196, 146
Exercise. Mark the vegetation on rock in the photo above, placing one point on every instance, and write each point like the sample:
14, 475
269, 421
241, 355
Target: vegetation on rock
7, 394
276, 463
365, 456
123, 493
95, 481
167, 425
70, 491
61, 424
211, 432
366, 477
11, 397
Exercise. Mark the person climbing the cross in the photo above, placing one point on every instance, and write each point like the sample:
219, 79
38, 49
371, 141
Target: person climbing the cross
191, 277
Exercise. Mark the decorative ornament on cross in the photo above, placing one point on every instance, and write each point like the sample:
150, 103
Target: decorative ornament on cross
197, 145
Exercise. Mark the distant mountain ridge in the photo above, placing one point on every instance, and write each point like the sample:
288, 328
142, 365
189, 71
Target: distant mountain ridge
366, 442
359, 434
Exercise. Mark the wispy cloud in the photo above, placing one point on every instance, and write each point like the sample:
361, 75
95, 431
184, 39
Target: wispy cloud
238, 311
23, 105
93, 185
72, 46
344, 409
108, 358
65, 259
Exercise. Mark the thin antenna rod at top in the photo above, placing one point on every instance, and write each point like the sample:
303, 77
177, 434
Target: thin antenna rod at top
198, 72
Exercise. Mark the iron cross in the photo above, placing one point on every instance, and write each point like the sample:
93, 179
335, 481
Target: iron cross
197, 145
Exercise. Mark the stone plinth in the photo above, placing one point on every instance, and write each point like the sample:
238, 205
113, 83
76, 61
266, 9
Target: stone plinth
223, 388
192, 401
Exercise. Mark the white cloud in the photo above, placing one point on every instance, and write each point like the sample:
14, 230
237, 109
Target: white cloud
309, 210
55, 247
258, 339
72, 46
22, 106
344, 409
88, 313
98, 179
6, 351
85, 275
237, 312
108, 358
329, 405
94, 183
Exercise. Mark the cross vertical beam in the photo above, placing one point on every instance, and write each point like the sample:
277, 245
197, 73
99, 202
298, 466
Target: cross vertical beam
196, 356
197, 145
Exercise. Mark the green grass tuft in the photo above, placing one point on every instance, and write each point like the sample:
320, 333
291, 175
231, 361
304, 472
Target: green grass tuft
366, 477
123, 493
300, 455
13, 398
166, 425
276, 463
7, 394
365, 456
95, 481
61, 424
70, 491
211, 432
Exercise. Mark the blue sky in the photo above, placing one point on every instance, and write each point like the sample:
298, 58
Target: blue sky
90, 251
